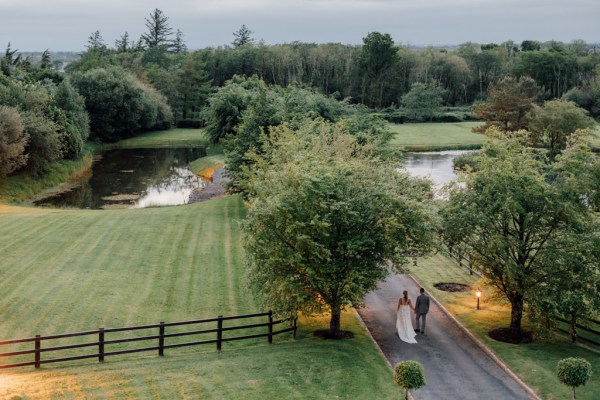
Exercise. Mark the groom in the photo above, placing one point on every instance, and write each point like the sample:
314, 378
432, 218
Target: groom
421, 309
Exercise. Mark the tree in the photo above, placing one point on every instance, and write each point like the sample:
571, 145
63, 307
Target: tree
122, 44
530, 45
423, 101
46, 60
377, 55
325, 218
554, 122
96, 42
119, 105
159, 32
508, 104
243, 36
178, 44
13, 140
512, 216
574, 372
409, 375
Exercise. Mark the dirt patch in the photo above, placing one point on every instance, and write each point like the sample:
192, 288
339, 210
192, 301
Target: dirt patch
452, 287
324, 334
507, 336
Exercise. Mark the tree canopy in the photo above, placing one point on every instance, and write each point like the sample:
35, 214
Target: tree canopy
325, 218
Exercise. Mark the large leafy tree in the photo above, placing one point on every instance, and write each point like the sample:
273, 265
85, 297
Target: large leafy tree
13, 140
423, 101
554, 122
377, 56
508, 104
513, 217
325, 219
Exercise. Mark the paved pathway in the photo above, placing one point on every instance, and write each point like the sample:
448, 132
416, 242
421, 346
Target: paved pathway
455, 368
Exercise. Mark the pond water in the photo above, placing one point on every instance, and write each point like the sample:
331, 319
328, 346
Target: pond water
133, 178
437, 166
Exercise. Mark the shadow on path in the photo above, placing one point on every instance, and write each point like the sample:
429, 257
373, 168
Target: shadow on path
455, 368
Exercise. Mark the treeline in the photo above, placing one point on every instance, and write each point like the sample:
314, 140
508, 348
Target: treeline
155, 82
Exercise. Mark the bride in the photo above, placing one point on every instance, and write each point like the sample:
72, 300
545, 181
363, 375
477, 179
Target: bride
403, 319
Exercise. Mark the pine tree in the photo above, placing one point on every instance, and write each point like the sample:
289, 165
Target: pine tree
178, 44
242, 37
159, 31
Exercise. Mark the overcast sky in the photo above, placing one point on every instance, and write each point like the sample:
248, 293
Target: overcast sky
32, 25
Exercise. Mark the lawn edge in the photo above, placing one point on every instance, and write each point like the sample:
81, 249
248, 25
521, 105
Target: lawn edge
482, 346
368, 332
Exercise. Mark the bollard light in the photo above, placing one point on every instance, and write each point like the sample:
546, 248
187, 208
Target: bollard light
478, 294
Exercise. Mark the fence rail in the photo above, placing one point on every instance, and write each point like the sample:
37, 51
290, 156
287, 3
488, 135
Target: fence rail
100, 342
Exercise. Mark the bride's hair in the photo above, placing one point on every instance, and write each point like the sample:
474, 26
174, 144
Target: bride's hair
405, 295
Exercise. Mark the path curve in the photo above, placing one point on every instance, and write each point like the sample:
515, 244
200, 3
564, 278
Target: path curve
455, 367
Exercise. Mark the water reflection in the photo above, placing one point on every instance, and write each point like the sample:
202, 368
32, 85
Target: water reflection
134, 178
437, 166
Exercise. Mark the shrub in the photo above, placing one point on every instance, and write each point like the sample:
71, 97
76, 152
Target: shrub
409, 375
190, 123
574, 371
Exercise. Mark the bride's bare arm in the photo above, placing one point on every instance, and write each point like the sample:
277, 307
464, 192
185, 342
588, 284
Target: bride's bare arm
410, 305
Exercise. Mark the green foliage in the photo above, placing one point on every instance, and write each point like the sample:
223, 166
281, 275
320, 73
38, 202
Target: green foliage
554, 122
13, 140
508, 104
243, 36
324, 219
513, 215
44, 145
119, 105
409, 375
423, 101
226, 106
77, 123
158, 35
574, 372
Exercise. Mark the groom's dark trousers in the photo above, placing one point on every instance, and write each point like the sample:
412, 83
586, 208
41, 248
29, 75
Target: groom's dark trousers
422, 308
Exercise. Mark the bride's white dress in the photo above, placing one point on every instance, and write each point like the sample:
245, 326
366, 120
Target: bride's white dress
404, 325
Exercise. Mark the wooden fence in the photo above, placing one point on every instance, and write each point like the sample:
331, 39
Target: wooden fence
463, 262
215, 333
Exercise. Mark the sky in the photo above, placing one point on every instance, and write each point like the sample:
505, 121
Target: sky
65, 25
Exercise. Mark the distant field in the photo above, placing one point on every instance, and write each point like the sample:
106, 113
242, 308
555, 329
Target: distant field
73, 270
419, 136
173, 137
535, 363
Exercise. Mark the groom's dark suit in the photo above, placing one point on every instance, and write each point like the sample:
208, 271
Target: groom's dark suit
421, 309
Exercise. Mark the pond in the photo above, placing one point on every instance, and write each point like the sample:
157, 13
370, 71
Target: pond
437, 166
132, 178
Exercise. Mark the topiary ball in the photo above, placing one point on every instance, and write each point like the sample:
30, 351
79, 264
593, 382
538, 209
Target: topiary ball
409, 374
574, 371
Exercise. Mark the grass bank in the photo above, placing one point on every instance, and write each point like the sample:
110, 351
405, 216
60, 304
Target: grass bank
74, 270
177, 137
536, 362
436, 136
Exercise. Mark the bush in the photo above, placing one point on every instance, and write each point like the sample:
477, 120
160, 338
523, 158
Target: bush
409, 375
574, 372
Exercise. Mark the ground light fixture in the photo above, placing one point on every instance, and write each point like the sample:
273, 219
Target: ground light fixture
478, 295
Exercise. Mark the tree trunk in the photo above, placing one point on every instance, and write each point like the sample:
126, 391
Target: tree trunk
574, 397
335, 322
573, 324
516, 315
405, 394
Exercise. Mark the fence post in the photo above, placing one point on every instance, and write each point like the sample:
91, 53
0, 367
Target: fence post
270, 326
295, 322
219, 332
38, 346
161, 339
101, 345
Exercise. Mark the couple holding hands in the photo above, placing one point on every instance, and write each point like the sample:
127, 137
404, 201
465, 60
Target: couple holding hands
404, 320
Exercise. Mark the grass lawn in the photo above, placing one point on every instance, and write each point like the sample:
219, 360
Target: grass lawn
436, 136
535, 363
73, 270
177, 137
